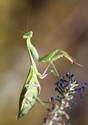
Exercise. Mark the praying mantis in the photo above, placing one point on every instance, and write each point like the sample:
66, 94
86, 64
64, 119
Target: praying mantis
31, 89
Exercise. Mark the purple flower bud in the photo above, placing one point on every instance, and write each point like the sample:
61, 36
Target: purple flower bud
83, 89
74, 103
59, 97
86, 83
56, 89
62, 85
77, 90
62, 79
68, 73
56, 83
81, 96
53, 99
76, 82
72, 75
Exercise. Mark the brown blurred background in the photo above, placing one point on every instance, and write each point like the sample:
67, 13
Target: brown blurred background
56, 24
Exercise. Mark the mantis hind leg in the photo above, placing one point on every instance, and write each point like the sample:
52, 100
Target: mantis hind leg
52, 57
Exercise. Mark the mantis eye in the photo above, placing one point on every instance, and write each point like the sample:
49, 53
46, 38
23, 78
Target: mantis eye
30, 34
24, 36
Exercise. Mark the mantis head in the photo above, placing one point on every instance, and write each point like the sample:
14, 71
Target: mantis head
28, 34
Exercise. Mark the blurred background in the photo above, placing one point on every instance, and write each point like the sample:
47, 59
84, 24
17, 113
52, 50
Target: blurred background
55, 24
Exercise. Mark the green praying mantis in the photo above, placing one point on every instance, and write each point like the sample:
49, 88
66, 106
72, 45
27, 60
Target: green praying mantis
31, 89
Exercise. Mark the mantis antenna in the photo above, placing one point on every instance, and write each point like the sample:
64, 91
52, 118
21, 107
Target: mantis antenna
27, 23
18, 30
28, 17
14, 29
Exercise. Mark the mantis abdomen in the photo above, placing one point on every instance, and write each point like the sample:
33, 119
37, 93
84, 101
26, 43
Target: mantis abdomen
28, 95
